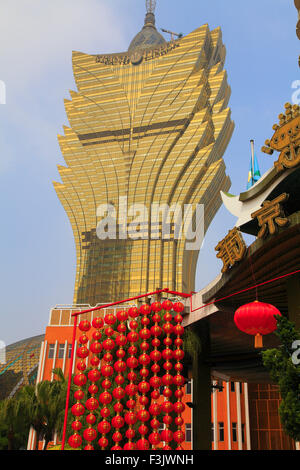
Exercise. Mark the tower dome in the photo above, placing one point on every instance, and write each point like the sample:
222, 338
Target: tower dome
148, 37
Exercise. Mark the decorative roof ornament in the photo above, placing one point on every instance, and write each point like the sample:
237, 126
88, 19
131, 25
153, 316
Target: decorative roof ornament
286, 139
148, 37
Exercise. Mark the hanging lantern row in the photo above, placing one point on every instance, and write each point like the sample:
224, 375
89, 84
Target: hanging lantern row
143, 410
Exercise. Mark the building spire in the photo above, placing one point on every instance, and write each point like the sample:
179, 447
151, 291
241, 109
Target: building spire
150, 17
150, 5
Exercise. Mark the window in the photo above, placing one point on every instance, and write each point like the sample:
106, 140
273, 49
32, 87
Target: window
221, 432
212, 432
232, 386
51, 351
234, 432
188, 432
188, 388
70, 351
61, 351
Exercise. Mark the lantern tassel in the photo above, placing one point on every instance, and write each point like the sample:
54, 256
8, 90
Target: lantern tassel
258, 343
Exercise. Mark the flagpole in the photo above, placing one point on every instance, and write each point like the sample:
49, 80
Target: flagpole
252, 156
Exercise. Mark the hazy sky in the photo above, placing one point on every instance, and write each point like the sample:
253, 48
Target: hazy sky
36, 41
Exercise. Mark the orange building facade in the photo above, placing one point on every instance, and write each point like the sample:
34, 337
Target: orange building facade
243, 416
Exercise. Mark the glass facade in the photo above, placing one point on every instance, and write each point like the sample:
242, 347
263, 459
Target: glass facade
154, 131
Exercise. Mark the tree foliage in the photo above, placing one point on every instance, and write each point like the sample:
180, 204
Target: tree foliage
286, 375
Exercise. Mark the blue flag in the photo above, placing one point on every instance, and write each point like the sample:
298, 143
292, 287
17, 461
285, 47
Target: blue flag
254, 173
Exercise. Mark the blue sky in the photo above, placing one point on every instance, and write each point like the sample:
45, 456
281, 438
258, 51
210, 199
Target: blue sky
37, 38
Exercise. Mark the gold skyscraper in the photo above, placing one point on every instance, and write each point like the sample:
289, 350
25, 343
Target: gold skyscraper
150, 124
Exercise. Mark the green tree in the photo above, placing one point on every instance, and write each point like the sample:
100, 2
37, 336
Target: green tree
286, 375
14, 423
44, 406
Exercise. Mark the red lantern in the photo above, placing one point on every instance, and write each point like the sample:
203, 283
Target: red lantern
94, 375
81, 365
129, 445
98, 322
77, 409
80, 379
167, 305
256, 318
130, 418
117, 422
154, 409
117, 437
122, 315
83, 339
130, 433
142, 444
91, 419
178, 436
82, 352
110, 319
97, 335
93, 389
76, 425
118, 407
121, 340
105, 398
133, 312
96, 347
156, 306
143, 415
90, 434
105, 412
104, 427
107, 370
95, 361
89, 447
167, 407
166, 435
92, 404
84, 325
178, 307
75, 441
78, 395
103, 442
145, 309
154, 438
108, 344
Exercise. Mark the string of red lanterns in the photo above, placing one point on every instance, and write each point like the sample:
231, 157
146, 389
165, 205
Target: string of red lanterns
143, 410
131, 388
155, 381
143, 414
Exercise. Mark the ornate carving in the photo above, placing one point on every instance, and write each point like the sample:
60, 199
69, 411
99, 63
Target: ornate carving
231, 249
271, 215
286, 139
142, 55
